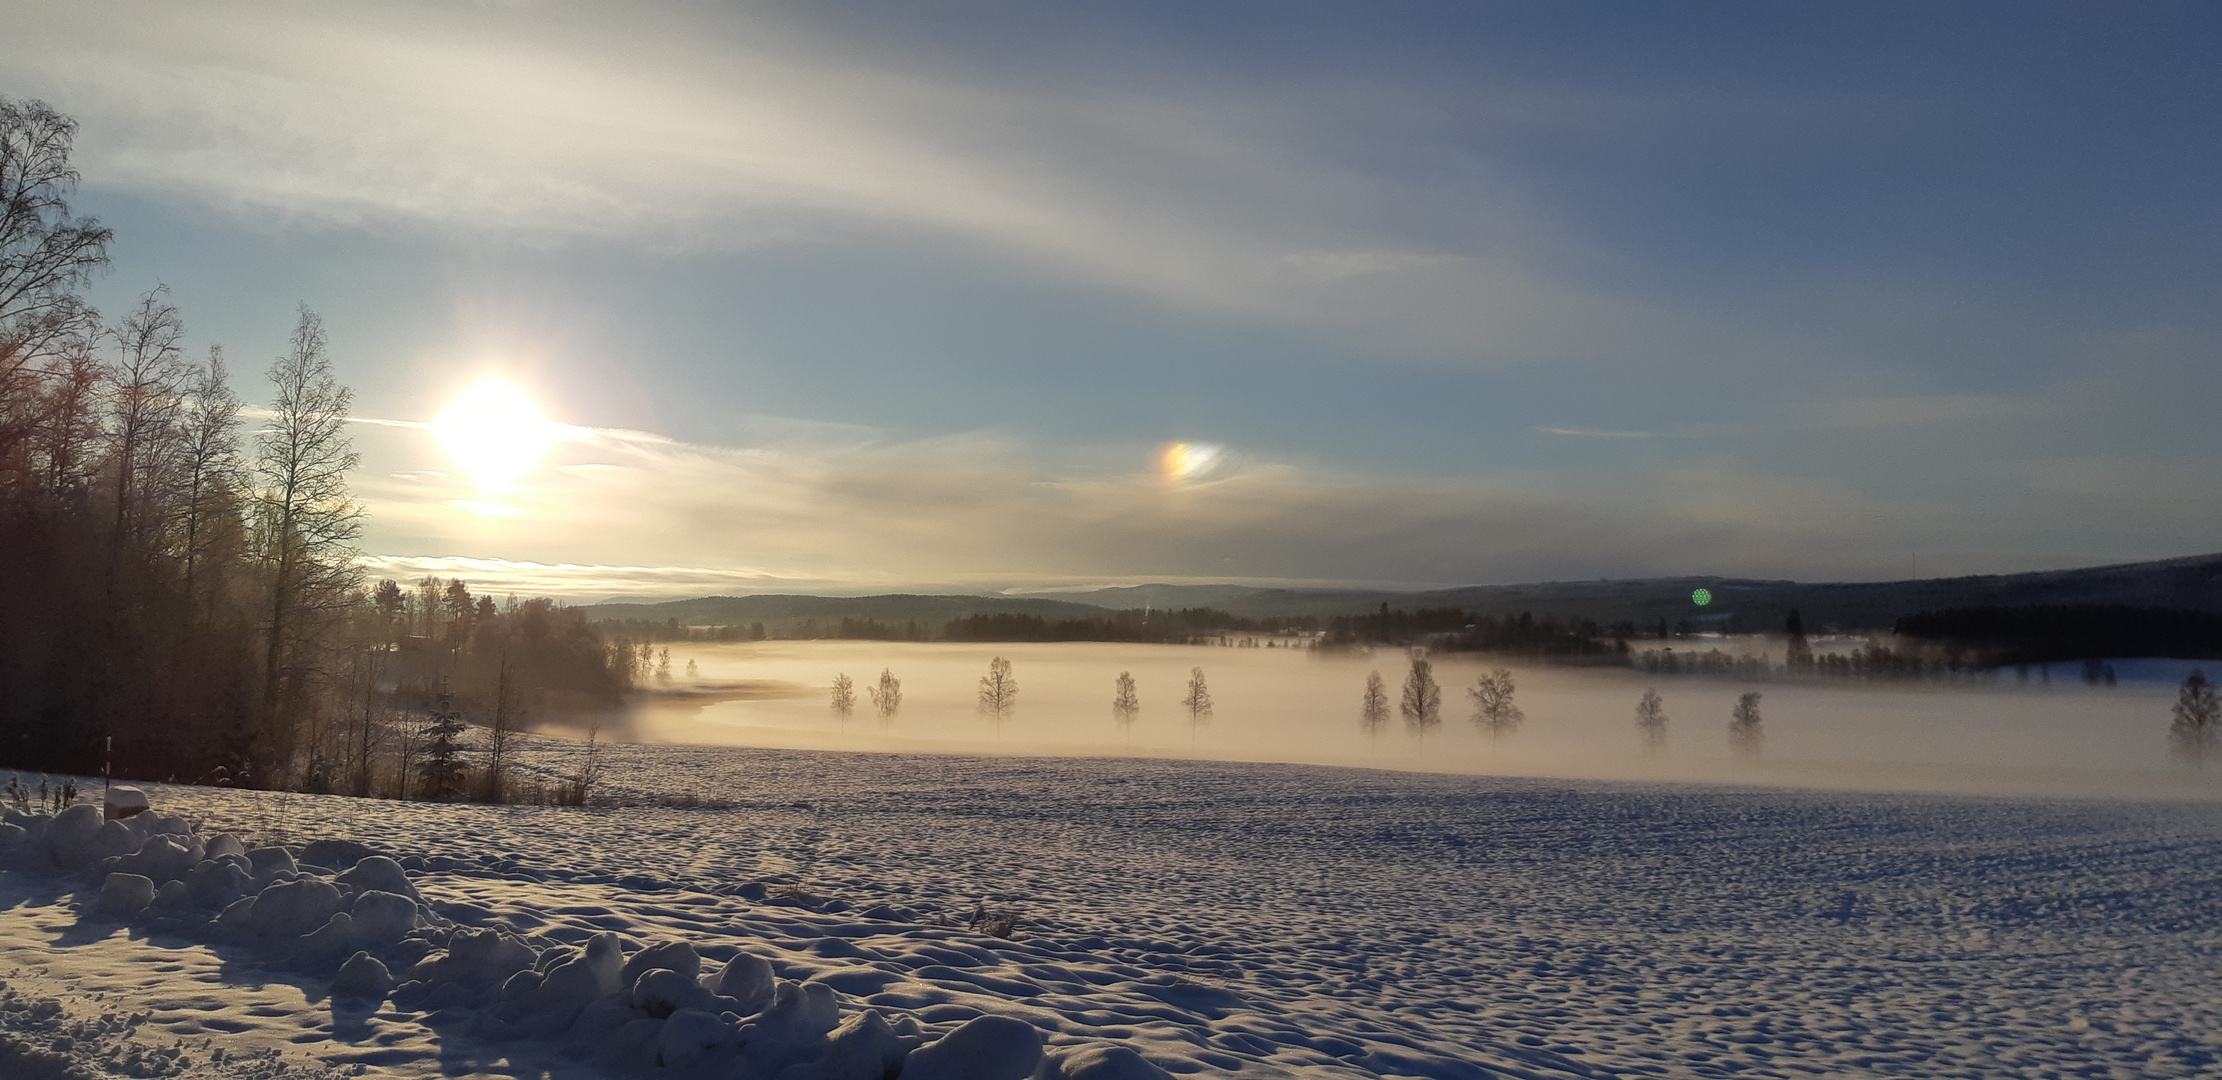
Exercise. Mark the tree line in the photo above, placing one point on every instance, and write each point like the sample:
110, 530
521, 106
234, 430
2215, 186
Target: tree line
1442, 629
181, 575
1451, 629
1165, 626
2013, 636
1970, 643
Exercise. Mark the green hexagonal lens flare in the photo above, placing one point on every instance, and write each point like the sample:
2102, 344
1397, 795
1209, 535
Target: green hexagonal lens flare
1702, 597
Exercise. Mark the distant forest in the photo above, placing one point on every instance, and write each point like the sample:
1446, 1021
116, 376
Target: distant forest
1448, 629
183, 592
1182, 627
2042, 634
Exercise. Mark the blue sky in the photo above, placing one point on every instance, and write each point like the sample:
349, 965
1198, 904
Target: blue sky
908, 295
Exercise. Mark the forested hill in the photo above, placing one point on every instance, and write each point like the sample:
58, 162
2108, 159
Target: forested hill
2193, 582
783, 613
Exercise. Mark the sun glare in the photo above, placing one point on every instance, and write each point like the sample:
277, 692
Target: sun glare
494, 432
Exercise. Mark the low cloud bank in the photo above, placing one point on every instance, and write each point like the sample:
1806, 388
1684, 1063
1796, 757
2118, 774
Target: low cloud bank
626, 513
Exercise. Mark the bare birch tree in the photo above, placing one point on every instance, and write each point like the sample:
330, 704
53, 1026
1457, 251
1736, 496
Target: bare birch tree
1373, 709
1494, 711
2197, 713
1423, 698
1744, 733
146, 387
502, 727
46, 257
211, 474
1197, 700
887, 697
305, 523
998, 689
1125, 703
1651, 721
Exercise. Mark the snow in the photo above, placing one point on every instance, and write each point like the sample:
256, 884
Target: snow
122, 802
983, 1048
1173, 918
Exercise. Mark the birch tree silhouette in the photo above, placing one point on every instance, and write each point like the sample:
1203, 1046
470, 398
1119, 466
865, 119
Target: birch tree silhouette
1494, 711
1744, 734
1423, 699
2196, 714
998, 689
305, 525
1197, 701
887, 697
1651, 721
1373, 709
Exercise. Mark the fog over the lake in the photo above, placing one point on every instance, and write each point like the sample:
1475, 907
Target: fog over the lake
1271, 704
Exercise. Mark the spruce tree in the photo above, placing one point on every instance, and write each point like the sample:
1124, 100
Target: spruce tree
442, 771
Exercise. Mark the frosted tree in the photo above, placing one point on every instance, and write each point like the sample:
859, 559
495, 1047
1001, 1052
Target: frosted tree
1651, 721
1373, 709
663, 665
844, 696
693, 672
1423, 699
2197, 712
1197, 700
1743, 725
887, 697
1125, 703
998, 689
1494, 711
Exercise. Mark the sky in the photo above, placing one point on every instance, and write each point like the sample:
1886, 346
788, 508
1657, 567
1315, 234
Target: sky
847, 297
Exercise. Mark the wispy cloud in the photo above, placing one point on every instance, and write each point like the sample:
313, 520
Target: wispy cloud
646, 125
593, 583
1595, 433
634, 513
1851, 414
1934, 410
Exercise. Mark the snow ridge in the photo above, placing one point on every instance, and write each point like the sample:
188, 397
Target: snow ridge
339, 913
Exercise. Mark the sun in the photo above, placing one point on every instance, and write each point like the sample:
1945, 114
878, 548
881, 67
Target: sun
494, 432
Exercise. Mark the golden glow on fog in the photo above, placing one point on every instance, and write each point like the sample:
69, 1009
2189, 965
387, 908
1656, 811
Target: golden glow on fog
494, 432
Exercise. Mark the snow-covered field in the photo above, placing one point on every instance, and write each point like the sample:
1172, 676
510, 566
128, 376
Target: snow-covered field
1212, 917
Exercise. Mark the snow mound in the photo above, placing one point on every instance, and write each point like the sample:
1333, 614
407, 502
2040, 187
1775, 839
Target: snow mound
983, 1048
123, 802
1108, 1062
363, 976
339, 909
125, 894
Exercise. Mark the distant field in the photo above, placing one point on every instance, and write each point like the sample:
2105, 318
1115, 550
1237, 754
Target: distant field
1998, 736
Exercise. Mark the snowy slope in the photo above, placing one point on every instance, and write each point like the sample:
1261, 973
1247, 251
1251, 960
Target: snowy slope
1255, 920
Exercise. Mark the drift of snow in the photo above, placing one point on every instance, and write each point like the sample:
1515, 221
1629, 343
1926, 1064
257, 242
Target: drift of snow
1173, 918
